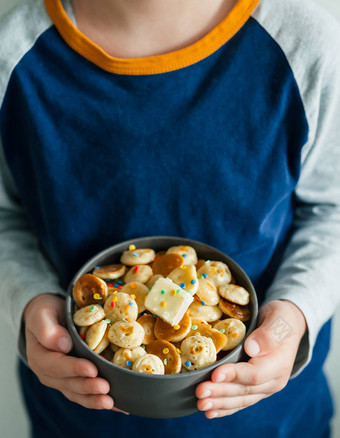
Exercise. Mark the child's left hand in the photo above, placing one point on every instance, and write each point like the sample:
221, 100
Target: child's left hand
272, 348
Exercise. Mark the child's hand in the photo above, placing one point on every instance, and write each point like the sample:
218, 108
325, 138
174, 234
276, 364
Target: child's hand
272, 347
47, 343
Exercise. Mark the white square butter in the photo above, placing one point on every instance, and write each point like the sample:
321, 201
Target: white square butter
168, 300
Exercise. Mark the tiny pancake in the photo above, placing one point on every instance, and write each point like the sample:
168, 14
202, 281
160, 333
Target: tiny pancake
126, 334
110, 271
141, 256
148, 324
234, 310
164, 330
218, 338
153, 280
149, 364
234, 293
138, 273
166, 263
126, 357
95, 334
217, 272
235, 332
104, 343
197, 352
208, 313
187, 252
207, 292
120, 306
88, 315
168, 355
186, 277
138, 291
89, 289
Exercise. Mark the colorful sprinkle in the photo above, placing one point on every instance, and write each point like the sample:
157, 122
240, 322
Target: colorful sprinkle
203, 303
235, 335
126, 308
184, 255
222, 330
143, 346
132, 247
165, 361
166, 350
129, 319
207, 261
97, 296
183, 266
136, 269
197, 334
115, 298
92, 308
130, 303
154, 315
128, 363
173, 292
111, 285
108, 321
135, 254
163, 303
194, 327
193, 281
182, 285
112, 304
120, 287
178, 291
96, 267
178, 351
176, 327
162, 291
205, 275
133, 285
187, 363
200, 277
82, 336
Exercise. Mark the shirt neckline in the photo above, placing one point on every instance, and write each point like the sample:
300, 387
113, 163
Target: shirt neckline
167, 62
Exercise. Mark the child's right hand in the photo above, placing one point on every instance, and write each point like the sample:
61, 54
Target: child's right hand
47, 343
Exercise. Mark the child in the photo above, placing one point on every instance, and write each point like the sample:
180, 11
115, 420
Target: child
214, 120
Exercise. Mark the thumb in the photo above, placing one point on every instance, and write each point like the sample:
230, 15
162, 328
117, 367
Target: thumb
273, 329
43, 322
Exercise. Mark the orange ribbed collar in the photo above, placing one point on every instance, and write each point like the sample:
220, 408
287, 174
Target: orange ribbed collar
189, 55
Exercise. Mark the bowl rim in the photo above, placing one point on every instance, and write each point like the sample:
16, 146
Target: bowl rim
107, 252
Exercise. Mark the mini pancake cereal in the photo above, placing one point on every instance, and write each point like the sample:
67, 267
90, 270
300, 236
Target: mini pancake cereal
197, 352
126, 357
149, 364
164, 312
139, 273
187, 252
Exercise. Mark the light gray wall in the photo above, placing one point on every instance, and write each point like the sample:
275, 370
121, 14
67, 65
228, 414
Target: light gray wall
13, 421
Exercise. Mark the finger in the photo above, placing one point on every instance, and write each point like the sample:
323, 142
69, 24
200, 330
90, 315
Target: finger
258, 370
215, 390
118, 410
54, 364
227, 403
79, 385
220, 413
90, 401
44, 325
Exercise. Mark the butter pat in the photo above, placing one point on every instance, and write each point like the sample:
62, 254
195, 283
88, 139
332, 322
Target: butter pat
168, 301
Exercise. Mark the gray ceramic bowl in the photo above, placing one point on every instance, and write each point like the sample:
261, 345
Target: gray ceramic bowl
156, 396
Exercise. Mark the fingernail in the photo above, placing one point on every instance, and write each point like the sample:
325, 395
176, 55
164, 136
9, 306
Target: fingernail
64, 344
213, 415
220, 378
206, 394
208, 406
253, 348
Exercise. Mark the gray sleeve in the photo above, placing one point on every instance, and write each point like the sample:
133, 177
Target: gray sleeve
24, 271
309, 273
